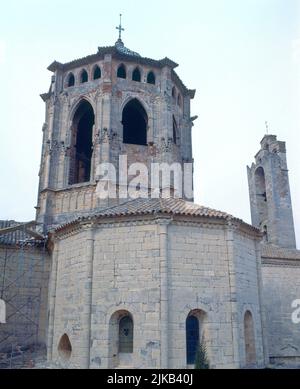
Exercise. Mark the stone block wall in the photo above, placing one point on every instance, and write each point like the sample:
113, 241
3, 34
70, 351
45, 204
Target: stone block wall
126, 277
247, 276
69, 299
281, 286
158, 272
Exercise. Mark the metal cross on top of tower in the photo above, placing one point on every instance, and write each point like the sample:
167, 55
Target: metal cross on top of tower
267, 127
120, 28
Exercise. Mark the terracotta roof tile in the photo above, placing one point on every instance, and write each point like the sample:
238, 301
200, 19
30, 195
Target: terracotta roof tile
15, 233
271, 251
159, 206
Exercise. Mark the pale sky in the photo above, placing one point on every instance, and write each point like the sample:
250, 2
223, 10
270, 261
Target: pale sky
242, 56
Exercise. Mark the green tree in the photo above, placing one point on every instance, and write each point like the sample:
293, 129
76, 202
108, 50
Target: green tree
201, 361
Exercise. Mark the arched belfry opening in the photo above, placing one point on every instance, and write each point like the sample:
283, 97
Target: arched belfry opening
135, 123
81, 148
96, 73
70, 80
151, 78
136, 75
121, 73
261, 194
84, 76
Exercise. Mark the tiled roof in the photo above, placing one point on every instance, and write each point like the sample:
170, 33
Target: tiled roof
160, 206
122, 55
14, 233
274, 252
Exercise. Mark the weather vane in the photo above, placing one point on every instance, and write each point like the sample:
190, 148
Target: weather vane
120, 28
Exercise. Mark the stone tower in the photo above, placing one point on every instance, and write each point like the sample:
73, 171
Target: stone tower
270, 199
111, 103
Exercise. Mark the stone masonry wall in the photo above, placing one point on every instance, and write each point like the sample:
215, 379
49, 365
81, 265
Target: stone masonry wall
248, 293
127, 278
69, 310
158, 271
281, 286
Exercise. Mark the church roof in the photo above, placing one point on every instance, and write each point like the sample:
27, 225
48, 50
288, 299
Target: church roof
122, 53
160, 206
275, 252
15, 233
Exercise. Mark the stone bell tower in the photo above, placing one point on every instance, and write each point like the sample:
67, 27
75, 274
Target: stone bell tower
270, 198
111, 103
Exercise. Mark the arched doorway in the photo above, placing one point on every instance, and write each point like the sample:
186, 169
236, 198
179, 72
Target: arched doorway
81, 145
135, 123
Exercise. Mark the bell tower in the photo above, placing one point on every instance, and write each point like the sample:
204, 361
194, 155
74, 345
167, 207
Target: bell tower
111, 103
270, 198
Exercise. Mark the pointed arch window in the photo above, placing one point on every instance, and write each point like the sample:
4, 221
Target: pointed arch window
81, 149
136, 75
97, 73
70, 80
121, 73
135, 123
84, 77
151, 78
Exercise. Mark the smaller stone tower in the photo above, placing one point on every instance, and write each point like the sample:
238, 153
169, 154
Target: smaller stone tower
270, 199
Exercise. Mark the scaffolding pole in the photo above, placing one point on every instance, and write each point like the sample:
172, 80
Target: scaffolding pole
22, 264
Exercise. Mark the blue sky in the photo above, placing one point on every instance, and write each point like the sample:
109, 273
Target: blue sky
243, 57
